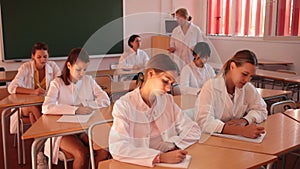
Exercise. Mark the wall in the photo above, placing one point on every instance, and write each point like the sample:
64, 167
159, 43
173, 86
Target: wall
146, 18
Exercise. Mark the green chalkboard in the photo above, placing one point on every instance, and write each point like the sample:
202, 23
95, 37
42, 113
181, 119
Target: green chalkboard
96, 25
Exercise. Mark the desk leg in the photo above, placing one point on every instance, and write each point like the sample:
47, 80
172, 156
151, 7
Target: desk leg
4, 135
35, 148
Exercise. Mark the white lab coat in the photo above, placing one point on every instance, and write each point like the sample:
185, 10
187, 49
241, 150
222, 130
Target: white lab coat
184, 43
129, 139
214, 106
25, 79
62, 99
130, 58
192, 78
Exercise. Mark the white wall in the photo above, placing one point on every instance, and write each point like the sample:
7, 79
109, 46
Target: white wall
146, 17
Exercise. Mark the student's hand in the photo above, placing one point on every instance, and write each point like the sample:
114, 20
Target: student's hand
84, 110
240, 122
173, 157
39, 91
252, 131
172, 49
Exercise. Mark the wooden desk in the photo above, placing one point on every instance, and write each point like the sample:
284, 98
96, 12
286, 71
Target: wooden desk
273, 62
204, 156
47, 126
293, 114
15, 101
7, 76
283, 135
280, 76
269, 94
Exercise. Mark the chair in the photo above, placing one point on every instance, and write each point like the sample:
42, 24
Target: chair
175, 89
104, 81
2, 69
98, 137
282, 106
65, 157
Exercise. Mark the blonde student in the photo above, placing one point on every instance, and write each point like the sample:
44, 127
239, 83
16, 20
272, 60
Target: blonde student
34, 78
184, 37
74, 93
197, 72
229, 103
149, 127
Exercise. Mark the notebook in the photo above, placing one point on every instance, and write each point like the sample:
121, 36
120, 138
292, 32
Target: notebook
82, 118
242, 138
183, 164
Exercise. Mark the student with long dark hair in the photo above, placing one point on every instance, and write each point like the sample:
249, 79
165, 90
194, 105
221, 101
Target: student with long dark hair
74, 93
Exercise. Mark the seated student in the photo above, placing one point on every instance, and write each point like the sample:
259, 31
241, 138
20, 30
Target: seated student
148, 126
34, 77
74, 93
134, 58
229, 104
196, 73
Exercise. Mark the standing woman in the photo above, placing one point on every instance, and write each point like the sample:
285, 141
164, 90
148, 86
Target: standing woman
197, 72
229, 103
74, 93
34, 78
149, 127
184, 37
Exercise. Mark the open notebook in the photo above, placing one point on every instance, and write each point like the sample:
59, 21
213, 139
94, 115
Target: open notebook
76, 118
238, 137
183, 164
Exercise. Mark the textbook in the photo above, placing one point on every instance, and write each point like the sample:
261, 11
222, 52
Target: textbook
183, 164
79, 118
242, 138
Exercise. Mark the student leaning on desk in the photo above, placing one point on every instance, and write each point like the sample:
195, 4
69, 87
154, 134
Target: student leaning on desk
149, 127
33, 77
229, 103
74, 93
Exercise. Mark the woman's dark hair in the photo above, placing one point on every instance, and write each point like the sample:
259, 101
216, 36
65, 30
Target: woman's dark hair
184, 13
39, 46
241, 57
131, 39
76, 53
203, 49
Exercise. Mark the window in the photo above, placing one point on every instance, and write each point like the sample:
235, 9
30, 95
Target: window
236, 17
254, 18
284, 18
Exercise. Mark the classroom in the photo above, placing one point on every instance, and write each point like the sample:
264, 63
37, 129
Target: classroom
248, 55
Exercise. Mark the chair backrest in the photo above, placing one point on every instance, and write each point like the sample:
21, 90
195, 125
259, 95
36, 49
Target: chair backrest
2, 69
98, 134
104, 81
282, 106
175, 89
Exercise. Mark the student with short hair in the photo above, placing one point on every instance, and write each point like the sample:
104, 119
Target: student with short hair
134, 58
196, 73
229, 103
74, 93
149, 127
184, 37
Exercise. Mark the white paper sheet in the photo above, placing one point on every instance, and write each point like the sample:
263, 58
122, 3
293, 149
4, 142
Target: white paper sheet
184, 164
75, 118
238, 137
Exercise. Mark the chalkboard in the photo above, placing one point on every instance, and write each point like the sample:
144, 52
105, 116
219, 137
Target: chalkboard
96, 25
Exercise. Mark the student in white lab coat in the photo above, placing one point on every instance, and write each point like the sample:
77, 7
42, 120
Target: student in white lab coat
184, 37
34, 78
229, 103
74, 93
134, 58
148, 126
197, 72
